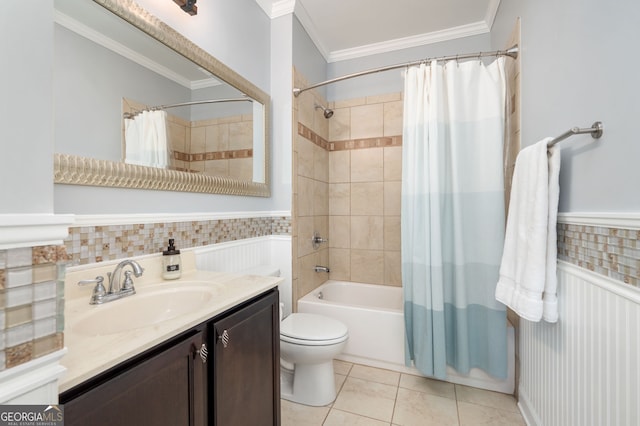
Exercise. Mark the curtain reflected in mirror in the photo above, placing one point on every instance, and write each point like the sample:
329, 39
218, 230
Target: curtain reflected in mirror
146, 139
196, 137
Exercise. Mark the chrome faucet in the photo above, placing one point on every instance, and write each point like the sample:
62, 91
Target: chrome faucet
116, 291
127, 285
319, 268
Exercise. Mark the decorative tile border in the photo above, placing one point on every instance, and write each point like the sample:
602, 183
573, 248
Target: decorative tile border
31, 303
312, 136
318, 140
213, 155
613, 252
90, 244
365, 143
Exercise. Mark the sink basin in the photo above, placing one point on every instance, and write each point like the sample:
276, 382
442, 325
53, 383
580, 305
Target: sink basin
144, 309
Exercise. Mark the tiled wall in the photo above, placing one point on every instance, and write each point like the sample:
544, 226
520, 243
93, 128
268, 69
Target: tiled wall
222, 147
613, 252
310, 191
365, 173
89, 244
31, 303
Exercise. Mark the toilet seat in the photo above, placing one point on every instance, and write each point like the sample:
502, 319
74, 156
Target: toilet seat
312, 330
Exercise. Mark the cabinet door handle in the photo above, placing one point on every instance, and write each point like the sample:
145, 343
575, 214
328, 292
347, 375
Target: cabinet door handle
224, 337
203, 352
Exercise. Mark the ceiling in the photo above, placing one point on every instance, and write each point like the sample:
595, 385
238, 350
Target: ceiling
347, 29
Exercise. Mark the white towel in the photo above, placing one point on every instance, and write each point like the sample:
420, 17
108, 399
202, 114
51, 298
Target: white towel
528, 279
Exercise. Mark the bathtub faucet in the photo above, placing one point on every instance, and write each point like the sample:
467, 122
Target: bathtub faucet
319, 268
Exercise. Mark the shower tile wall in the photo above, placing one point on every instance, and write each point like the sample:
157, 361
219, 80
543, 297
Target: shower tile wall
310, 190
365, 175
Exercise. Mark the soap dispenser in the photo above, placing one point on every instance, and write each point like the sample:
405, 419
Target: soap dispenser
171, 268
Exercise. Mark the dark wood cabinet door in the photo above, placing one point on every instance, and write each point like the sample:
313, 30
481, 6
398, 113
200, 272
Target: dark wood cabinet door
246, 375
168, 388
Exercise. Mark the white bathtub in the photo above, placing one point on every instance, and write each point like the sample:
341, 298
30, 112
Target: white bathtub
374, 317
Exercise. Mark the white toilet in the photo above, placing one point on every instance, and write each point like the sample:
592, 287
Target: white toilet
308, 344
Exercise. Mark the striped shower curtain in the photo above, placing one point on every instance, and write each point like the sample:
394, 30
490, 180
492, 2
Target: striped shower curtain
452, 217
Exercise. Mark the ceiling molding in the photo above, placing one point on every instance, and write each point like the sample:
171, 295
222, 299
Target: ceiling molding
275, 9
492, 11
406, 42
283, 7
108, 43
307, 23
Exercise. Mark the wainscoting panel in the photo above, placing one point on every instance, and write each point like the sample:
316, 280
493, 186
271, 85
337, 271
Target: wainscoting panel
583, 370
251, 255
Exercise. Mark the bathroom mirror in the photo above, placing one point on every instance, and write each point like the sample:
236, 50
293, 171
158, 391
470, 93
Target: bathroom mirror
113, 60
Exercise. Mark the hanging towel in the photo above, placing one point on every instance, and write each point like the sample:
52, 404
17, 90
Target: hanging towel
528, 281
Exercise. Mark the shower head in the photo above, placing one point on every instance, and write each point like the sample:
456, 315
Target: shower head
328, 113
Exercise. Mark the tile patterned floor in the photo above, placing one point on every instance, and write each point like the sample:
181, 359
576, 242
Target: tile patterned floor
374, 397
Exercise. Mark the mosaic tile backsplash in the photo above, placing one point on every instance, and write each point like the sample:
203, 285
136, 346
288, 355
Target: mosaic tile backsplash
90, 244
31, 303
613, 252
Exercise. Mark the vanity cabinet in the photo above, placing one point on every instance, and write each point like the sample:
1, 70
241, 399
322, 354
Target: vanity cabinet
167, 386
172, 385
246, 375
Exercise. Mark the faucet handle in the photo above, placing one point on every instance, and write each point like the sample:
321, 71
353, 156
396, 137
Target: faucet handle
98, 291
127, 284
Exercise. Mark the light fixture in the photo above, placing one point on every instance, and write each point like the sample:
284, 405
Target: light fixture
188, 6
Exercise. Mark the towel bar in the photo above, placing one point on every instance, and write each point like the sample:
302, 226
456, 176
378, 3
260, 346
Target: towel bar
596, 131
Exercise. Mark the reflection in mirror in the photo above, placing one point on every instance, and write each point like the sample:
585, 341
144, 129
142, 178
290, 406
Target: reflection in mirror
190, 115
216, 141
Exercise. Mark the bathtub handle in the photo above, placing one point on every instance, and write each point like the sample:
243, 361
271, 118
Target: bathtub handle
316, 240
224, 338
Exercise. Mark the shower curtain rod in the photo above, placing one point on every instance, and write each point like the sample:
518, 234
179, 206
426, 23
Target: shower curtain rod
208, 101
596, 131
511, 52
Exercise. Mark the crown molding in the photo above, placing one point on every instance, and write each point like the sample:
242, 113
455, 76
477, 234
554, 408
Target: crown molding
461, 31
492, 11
122, 50
278, 8
283, 7
307, 23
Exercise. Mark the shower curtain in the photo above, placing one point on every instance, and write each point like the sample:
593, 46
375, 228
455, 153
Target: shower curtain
146, 139
452, 217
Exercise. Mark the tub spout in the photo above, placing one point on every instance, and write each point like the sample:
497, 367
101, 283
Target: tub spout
319, 268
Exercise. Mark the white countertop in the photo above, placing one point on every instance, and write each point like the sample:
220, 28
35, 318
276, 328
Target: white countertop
90, 355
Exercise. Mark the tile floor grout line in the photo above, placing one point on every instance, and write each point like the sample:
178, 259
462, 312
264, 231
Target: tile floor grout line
455, 393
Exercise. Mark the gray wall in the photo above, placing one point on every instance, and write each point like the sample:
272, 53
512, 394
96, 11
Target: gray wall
579, 65
307, 58
26, 166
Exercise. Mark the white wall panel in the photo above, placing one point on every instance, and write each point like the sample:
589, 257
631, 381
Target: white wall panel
583, 370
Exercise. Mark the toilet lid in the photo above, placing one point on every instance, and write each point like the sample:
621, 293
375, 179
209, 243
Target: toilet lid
312, 327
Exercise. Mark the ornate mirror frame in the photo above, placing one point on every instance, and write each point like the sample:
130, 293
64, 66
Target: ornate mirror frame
77, 170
